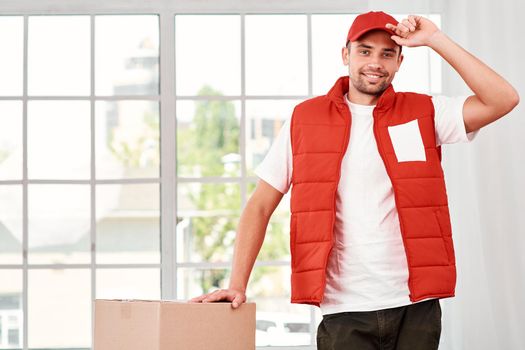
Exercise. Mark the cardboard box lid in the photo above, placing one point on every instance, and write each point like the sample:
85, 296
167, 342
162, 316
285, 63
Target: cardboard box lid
173, 325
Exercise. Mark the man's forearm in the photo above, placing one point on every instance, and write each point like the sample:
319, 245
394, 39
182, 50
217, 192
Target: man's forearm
492, 89
248, 242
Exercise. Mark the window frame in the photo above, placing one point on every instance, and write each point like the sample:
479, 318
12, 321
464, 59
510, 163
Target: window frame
167, 97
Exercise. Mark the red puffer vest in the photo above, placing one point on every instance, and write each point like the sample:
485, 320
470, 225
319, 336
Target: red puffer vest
320, 131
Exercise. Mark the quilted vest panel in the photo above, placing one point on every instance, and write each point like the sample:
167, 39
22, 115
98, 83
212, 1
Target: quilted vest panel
320, 131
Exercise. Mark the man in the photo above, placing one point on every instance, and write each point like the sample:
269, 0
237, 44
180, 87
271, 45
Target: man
370, 233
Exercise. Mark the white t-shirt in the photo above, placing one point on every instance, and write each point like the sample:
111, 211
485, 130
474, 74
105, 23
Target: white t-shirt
367, 268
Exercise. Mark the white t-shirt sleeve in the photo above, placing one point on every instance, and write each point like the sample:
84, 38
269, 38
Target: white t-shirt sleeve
276, 167
448, 120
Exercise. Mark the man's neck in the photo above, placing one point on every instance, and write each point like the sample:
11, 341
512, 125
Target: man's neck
357, 97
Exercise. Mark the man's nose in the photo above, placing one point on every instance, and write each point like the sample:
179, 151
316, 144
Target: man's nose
374, 66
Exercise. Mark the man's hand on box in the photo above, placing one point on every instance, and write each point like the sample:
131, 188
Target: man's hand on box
237, 297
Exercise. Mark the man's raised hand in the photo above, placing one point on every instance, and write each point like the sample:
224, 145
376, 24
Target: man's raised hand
413, 31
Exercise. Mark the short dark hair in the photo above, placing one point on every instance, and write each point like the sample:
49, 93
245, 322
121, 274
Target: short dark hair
348, 43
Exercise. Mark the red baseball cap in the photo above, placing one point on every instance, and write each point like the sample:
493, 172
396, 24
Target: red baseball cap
368, 21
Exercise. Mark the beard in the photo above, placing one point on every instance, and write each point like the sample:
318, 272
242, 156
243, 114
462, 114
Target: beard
364, 86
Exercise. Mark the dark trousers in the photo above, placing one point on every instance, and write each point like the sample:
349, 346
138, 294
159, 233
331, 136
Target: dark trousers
411, 327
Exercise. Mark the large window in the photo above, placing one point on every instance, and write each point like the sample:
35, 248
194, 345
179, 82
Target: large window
127, 148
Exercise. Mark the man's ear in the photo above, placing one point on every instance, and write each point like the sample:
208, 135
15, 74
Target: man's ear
344, 55
400, 60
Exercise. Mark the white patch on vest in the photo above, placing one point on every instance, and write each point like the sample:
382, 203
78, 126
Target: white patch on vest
407, 141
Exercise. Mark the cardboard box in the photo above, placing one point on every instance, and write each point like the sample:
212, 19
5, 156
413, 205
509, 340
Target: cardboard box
173, 325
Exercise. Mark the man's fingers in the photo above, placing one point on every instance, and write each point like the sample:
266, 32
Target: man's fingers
210, 295
412, 20
409, 25
234, 296
404, 29
395, 28
218, 295
199, 298
399, 40
237, 301
202, 297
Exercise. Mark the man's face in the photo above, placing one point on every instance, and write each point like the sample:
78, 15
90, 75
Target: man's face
373, 61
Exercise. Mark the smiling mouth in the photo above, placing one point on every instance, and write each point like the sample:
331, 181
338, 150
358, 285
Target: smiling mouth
373, 77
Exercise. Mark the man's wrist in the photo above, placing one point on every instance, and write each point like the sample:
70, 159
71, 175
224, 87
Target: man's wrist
237, 287
435, 39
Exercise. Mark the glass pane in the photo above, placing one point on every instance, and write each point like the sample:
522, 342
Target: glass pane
127, 139
207, 219
128, 284
11, 140
59, 139
328, 38
276, 55
276, 245
59, 55
208, 134
194, 282
278, 322
59, 304
127, 55
11, 313
59, 224
12, 57
10, 224
208, 54
414, 72
264, 120
128, 224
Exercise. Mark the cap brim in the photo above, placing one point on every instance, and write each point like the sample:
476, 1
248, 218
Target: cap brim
359, 34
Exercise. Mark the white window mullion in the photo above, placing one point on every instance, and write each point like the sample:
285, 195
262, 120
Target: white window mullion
242, 134
25, 218
93, 198
168, 156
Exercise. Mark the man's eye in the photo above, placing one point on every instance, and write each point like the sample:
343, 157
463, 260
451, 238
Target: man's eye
363, 51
